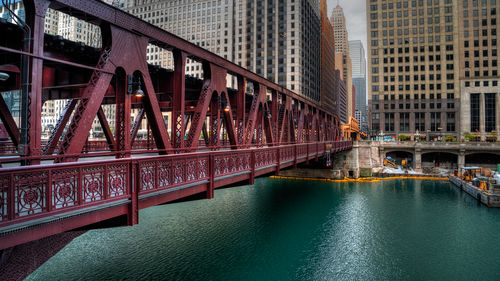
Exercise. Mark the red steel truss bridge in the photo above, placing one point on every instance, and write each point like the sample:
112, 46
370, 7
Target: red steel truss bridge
202, 134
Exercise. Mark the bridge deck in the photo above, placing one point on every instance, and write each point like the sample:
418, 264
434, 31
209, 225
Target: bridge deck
38, 201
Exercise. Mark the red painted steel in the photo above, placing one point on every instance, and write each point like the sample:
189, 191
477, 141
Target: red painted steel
9, 123
219, 136
35, 193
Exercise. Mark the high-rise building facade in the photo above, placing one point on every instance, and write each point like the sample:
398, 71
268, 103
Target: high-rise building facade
283, 43
340, 98
206, 23
413, 68
358, 59
279, 40
78, 30
479, 78
328, 94
342, 58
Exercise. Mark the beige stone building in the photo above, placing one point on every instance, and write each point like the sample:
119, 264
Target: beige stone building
342, 58
414, 68
479, 78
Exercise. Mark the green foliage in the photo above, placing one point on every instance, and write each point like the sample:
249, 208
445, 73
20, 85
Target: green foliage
469, 137
450, 139
403, 138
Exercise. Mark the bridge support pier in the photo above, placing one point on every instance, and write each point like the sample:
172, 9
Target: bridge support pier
418, 160
461, 159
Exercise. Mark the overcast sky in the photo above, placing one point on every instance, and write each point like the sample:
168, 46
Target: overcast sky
355, 15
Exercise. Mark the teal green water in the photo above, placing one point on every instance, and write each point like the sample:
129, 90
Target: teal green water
297, 230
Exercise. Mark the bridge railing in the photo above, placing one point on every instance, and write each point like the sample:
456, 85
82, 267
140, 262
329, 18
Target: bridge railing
37, 192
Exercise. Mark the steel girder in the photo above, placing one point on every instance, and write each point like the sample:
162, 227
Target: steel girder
274, 113
135, 127
179, 99
213, 85
59, 128
9, 123
106, 129
111, 58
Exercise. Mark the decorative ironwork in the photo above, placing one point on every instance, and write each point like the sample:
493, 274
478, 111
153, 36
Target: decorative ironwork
4, 189
64, 188
93, 184
30, 190
179, 172
203, 168
164, 174
35, 193
117, 180
147, 176
191, 171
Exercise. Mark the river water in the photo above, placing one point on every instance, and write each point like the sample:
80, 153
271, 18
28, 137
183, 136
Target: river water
297, 230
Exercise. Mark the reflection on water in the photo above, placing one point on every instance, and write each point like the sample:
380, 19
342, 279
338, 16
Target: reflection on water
297, 230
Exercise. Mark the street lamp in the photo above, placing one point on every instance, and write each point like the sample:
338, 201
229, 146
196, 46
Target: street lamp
4, 76
131, 84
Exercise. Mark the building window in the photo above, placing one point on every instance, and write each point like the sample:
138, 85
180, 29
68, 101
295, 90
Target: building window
474, 113
389, 122
420, 121
490, 112
404, 122
450, 122
435, 121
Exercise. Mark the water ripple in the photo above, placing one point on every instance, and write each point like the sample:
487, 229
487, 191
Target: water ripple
295, 230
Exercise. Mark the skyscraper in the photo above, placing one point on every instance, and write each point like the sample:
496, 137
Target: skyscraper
328, 74
342, 58
279, 40
358, 59
479, 78
413, 68
283, 43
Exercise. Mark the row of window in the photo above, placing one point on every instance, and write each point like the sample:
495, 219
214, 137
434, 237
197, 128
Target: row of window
404, 122
405, 4
478, 83
407, 106
414, 40
415, 96
407, 68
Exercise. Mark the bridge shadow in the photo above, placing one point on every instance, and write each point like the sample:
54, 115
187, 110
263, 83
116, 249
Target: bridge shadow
202, 195
18, 262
